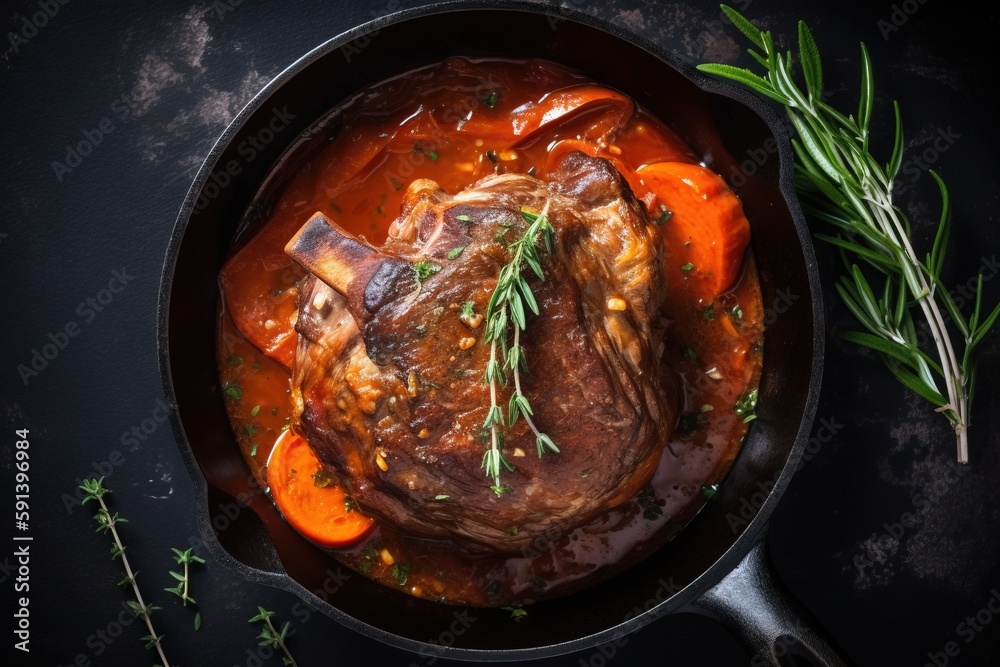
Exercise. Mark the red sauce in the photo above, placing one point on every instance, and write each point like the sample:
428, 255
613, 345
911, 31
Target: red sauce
456, 122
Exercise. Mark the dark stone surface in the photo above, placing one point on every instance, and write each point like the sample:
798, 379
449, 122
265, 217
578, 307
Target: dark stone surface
159, 84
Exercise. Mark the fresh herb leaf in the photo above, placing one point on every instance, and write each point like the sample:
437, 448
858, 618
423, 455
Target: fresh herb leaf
423, 270
746, 405
400, 573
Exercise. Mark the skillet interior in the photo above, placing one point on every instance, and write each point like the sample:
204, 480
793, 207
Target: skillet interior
258, 543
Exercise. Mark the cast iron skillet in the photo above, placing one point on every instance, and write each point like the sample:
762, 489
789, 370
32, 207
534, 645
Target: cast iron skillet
718, 564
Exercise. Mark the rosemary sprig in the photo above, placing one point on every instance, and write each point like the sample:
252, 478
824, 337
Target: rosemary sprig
511, 299
107, 522
270, 636
842, 184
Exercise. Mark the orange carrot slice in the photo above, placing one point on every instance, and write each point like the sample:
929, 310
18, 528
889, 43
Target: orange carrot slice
318, 512
706, 233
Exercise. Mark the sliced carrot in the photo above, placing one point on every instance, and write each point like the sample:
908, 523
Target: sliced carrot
706, 233
259, 292
318, 512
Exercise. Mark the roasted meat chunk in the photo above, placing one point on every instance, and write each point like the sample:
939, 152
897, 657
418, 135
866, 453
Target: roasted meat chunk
388, 378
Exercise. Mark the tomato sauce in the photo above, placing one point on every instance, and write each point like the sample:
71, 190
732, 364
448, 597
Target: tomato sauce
456, 122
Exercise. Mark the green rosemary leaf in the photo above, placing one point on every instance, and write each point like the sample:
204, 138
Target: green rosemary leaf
944, 227
867, 98
812, 68
984, 328
747, 78
893, 349
896, 160
916, 384
752, 32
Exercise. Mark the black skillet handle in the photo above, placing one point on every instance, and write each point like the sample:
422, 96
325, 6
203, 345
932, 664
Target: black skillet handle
755, 606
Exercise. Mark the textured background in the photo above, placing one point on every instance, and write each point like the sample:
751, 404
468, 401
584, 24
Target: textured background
159, 84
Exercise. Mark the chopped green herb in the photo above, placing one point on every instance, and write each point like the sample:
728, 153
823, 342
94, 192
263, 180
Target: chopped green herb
254, 411
234, 359
467, 309
250, 430
707, 407
737, 312
256, 367
517, 613
400, 572
233, 390
585, 473
425, 269
709, 491
746, 405
690, 354
710, 313
687, 267
253, 450
491, 100
349, 504
433, 155
463, 218
512, 531
441, 497
454, 253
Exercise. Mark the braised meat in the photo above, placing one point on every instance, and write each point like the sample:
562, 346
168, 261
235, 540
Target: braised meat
388, 377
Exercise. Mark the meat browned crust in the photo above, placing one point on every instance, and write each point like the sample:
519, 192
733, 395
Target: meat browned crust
387, 384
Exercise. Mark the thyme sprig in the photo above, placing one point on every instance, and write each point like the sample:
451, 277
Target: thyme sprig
511, 299
107, 522
184, 558
183, 578
842, 184
272, 637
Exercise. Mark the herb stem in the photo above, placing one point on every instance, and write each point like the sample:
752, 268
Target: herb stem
184, 595
281, 642
106, 519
